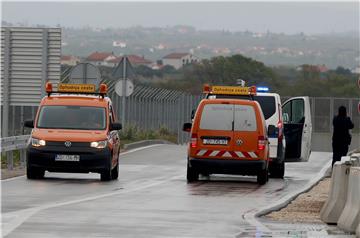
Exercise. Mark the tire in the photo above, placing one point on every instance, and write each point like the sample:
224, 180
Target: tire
105, 175
262, 177
191, 174
277, 170
115, 171
32, 173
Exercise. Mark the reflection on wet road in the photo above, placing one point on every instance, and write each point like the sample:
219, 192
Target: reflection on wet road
150, 199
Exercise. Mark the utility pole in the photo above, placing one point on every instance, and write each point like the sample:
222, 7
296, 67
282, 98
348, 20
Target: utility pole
123, 109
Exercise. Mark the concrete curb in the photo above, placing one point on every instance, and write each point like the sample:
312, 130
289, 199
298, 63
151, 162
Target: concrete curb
143, 143
286, 200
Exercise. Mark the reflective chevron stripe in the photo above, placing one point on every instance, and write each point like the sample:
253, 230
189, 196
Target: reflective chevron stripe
227, 154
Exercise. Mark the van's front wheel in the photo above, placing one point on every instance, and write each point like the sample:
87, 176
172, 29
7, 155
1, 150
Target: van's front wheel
262, 176
191, 174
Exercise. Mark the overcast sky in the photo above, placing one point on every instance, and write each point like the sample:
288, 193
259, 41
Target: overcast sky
287, 17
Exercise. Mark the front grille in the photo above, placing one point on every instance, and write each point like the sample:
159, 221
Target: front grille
73, 144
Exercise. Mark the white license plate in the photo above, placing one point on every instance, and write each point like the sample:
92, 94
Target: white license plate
67, 158
215, 142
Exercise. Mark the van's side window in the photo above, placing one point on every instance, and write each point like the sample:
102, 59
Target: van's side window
295, 110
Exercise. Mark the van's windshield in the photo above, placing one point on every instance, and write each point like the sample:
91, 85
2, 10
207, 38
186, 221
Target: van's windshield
72, 117
228, 117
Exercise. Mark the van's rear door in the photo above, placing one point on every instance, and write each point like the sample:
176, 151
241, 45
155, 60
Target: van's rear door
215, 130
245, 132
297, 128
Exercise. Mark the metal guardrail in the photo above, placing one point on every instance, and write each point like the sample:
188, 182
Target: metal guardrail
14, 143
9, 144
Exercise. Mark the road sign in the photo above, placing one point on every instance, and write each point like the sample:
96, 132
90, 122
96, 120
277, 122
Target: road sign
85, 73
129, 87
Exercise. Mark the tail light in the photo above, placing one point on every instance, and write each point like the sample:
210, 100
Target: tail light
193, 140
261, 143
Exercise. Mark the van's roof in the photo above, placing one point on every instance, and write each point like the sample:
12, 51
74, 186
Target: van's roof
75, 100
230, 101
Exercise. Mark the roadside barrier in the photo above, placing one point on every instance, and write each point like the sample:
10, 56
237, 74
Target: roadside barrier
350, 217
335, 203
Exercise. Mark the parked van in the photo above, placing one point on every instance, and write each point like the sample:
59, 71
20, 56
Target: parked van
74, 131
297, 147
228, 136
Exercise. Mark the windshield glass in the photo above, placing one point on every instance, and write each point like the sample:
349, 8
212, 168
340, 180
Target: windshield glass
72, 117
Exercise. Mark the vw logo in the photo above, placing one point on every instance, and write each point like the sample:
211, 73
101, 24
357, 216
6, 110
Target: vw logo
67, 143
239, 142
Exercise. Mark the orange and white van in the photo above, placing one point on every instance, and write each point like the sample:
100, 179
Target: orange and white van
228, 136
74, 131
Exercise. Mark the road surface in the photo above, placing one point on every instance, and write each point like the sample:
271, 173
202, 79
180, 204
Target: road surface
150, 199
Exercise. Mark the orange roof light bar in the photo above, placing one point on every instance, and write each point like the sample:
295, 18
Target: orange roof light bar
103, 88
229, 90
48, 87
206, 88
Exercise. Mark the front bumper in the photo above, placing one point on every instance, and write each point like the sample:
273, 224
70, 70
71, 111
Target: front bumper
227, 166
91, 159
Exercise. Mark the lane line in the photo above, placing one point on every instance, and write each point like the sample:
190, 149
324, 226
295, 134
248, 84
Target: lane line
121, 154
25, 214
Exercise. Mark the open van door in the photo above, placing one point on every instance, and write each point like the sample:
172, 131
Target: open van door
297, 129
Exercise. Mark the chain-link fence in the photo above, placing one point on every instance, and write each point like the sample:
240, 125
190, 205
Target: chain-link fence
153, 108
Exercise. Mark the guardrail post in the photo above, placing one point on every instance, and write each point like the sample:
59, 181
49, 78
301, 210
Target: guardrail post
10, 160
22, 158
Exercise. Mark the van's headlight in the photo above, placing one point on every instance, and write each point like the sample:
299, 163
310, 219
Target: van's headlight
37, 143
99, 144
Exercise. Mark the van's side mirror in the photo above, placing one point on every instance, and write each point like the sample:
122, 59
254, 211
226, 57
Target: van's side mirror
187, 127
29, 123
271, 130
115, 126
192, 114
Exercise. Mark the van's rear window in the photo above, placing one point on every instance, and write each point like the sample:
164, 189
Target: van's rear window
228, 117
217, 117
72, 117
267, 103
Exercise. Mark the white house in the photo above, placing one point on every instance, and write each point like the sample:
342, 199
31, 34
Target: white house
178, 60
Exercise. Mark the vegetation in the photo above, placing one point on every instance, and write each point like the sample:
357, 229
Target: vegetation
285, 80
133, 133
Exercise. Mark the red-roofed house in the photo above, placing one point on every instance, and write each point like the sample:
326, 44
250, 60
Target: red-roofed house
135, 60
178, 60
101, 58
69, 60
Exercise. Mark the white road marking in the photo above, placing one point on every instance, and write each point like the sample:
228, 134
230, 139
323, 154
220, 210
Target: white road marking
121, 154
12, 220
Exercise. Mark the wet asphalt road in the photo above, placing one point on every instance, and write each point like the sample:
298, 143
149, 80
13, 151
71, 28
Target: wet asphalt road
150, 199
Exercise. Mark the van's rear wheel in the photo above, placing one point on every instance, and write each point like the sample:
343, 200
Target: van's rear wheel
262, 176
277, 170
191, 174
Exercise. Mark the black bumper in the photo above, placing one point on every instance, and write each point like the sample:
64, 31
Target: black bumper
222, 166
91, 159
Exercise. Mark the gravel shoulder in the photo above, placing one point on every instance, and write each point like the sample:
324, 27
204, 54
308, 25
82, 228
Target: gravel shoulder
306, 207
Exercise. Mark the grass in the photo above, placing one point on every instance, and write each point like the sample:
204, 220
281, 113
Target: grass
133, 133
16, 158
